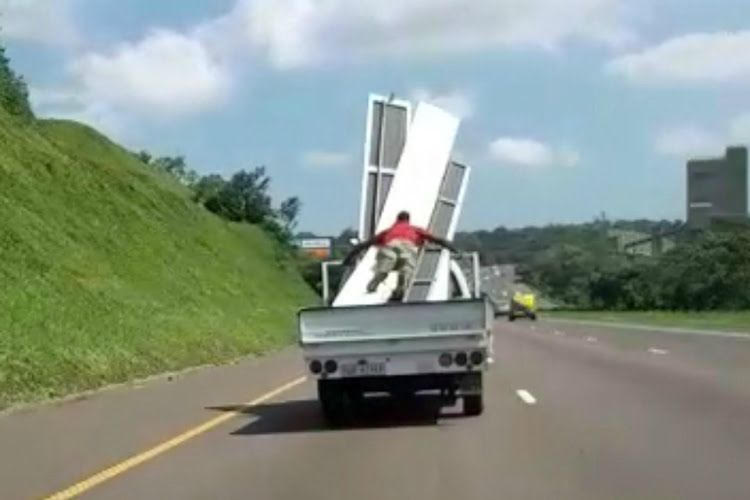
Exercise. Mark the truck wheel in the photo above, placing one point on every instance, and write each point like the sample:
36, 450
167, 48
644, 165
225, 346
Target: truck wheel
330, 398
402, 394
473, 405
338, 405
511, 317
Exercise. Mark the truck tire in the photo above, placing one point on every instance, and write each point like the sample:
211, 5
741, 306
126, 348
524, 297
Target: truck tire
337, 404
330, 398
402, 394
473, 404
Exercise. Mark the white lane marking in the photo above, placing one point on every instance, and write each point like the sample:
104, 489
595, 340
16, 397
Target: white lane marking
590, 339
559, 333
652, 328
655, 350
526, 396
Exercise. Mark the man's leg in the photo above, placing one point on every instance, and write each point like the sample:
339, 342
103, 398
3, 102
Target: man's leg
385, 261
407, 263
404, 280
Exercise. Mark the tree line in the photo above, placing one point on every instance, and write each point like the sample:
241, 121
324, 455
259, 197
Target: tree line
243, 197
579, 266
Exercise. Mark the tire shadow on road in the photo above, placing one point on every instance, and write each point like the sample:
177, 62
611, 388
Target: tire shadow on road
372, 413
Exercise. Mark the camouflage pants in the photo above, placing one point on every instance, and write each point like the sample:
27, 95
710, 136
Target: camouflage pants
398, 255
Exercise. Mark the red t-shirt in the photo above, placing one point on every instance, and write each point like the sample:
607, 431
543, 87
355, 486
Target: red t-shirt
402, 230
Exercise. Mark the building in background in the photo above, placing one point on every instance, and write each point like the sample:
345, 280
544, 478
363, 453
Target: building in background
318, 248
638, 243
717, 188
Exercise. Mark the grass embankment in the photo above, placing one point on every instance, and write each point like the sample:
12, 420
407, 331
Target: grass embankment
737, 321
108, 272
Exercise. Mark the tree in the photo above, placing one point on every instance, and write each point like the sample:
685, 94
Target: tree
174, 165
191, 177
288, 212
711, 271
14, 93
144, 156
244, 198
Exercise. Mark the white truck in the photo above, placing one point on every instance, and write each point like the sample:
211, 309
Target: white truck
397, 348
439, 337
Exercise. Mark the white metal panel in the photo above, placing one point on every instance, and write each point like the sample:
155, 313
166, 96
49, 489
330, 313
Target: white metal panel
369, 168
440, 289
415, 188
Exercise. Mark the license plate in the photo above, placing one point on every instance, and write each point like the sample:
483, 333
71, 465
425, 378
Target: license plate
363, 369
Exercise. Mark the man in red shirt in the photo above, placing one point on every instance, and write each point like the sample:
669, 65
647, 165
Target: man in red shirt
398, 247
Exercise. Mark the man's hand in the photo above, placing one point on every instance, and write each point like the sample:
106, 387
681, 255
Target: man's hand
356, 250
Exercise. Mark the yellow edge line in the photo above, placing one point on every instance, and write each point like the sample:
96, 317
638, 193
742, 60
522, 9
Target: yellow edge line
157, 450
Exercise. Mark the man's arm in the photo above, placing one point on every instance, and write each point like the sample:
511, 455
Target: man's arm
349, 259
439, 241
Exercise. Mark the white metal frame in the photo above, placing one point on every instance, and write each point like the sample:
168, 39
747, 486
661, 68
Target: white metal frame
439, 289
324, 277
415, 187
373, 169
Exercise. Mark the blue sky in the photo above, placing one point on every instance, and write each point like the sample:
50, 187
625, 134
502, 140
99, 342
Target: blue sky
569, 107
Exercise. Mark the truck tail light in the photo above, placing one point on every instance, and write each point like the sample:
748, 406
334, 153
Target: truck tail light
331, 366
461, 358
316, 366
477, 357
445, 359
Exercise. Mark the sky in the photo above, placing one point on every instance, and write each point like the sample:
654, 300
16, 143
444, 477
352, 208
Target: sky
569, 108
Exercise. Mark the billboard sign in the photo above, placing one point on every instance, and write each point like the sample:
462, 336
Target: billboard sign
319, 248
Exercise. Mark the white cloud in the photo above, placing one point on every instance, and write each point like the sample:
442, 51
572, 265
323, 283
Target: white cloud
457, 102
297, 33
531, 153
164, 73
40, 21
739, 129
43, 98
687, 141
694, 59
70, 104
326, 159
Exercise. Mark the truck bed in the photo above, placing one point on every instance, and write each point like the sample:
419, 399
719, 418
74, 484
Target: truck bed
411, 320
396, 339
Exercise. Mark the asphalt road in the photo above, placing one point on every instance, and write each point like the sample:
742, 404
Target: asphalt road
572, 412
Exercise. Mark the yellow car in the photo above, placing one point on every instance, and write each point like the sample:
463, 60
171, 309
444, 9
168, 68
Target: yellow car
522, 304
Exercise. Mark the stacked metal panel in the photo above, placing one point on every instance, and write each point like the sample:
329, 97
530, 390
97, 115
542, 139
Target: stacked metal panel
415, 187
428, 283
387, 128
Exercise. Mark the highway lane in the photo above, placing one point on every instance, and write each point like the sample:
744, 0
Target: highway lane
572, 411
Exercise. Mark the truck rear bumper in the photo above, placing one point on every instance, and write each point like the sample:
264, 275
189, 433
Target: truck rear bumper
457, 384
360, 361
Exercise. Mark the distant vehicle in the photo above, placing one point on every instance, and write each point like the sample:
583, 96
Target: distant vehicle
499, 307
522, 305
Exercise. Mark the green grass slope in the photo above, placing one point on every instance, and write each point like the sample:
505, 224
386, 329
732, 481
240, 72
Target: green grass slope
109, 272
